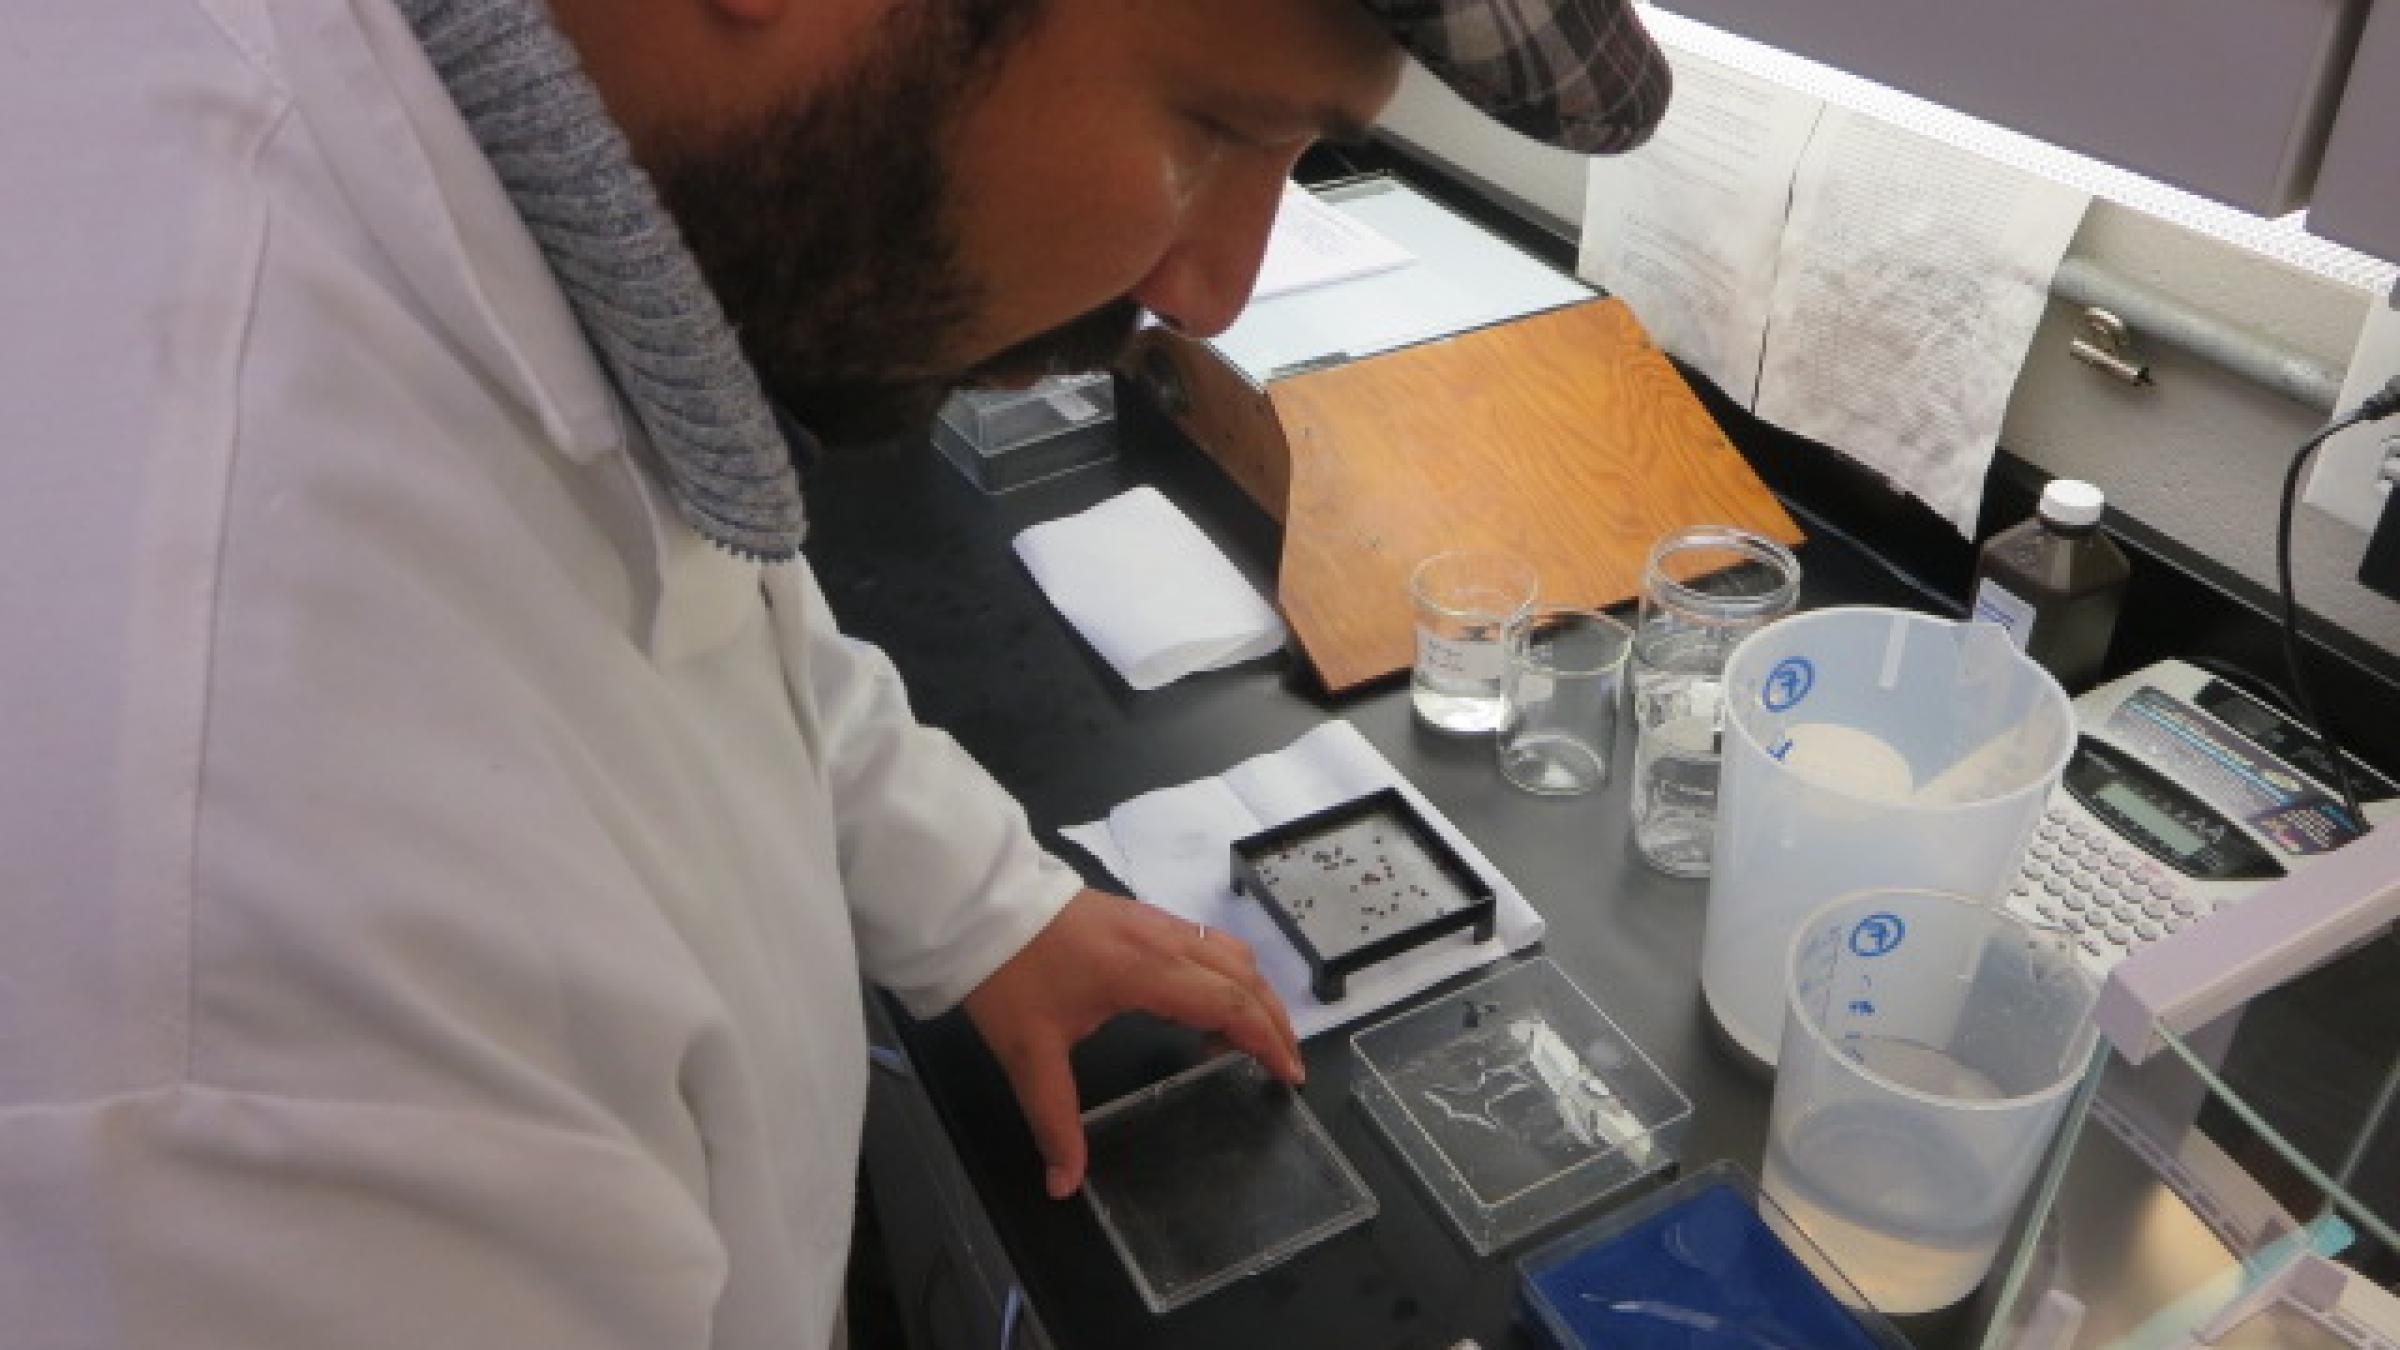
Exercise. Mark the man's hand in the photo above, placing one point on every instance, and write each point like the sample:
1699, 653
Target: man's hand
1103, 955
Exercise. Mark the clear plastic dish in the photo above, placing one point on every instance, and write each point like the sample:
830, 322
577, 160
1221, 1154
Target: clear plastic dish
1006, 438
1214, 1175
1517, 1102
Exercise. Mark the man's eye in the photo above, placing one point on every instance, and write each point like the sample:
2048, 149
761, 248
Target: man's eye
1235, 137
1220, 132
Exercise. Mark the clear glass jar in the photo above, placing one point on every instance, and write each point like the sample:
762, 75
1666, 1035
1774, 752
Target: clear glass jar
1704, 590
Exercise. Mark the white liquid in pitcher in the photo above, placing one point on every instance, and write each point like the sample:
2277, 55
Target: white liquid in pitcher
1907, 1213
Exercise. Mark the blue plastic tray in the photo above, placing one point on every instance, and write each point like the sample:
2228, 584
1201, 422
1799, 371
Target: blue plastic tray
1694, 1267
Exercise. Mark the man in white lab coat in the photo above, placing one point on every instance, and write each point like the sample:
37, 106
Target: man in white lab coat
441, 829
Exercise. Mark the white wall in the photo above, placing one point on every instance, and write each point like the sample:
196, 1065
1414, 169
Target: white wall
2199, 457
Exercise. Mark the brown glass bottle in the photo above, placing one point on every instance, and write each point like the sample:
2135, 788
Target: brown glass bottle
2055, 582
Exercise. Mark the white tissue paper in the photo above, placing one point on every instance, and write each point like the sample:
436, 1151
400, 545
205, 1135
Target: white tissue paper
1174, 847
1147, 590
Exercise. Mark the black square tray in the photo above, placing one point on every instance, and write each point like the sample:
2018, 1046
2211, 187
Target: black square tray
1360, 882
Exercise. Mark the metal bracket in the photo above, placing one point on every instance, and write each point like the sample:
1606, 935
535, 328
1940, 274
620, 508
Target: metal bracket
2107, 345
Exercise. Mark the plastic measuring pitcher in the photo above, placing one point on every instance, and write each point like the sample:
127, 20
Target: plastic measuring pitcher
1931, 1047
1867, 748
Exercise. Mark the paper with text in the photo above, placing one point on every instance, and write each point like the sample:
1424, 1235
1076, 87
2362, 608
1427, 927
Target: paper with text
1688, 228
1913, 275
1316, 244
1848, 279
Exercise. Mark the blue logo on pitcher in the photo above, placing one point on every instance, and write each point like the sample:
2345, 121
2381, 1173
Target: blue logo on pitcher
1789, 683
1877, 934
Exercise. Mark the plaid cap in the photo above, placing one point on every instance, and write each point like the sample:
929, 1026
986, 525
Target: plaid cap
1581, 74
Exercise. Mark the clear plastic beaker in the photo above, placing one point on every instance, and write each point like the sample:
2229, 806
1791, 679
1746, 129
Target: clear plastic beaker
1704, 590
1867, 748
1564, 680
1930, 1047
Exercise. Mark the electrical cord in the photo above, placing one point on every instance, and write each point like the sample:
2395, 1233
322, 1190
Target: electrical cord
2373, 408
2259, 687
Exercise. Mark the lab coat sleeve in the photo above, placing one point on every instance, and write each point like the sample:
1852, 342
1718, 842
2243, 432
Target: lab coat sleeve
944, 879
188, 1216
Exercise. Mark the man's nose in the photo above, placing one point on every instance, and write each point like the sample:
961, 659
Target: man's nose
1203, 281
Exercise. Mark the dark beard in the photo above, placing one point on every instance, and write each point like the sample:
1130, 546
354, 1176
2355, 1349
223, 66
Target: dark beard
826, 236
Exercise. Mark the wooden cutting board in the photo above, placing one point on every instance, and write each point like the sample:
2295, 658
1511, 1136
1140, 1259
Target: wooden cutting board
1564, 437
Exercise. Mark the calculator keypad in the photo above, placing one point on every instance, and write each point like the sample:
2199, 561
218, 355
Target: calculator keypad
2079, 877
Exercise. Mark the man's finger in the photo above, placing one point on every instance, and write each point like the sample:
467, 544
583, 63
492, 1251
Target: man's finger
1230, 957
1176, 940
1196, 995
1045, 1086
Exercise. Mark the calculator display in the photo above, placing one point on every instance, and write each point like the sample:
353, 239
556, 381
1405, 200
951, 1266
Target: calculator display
2162, 817
2166, 829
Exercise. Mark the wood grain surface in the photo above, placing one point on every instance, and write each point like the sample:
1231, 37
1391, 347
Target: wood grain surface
1221, 411
1566, 438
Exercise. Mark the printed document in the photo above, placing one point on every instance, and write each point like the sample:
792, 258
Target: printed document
1913, 275
1316, 244
1688, 229
1847, 278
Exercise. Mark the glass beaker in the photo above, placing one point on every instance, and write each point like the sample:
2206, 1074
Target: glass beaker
1465, 600
1565, 677
1930, 1046
1867, 748
1705, 589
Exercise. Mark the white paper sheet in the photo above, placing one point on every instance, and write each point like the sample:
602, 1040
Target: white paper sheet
1852, 280
1687, 229
1315, 244
1912, 277
1465, 278
1173, 847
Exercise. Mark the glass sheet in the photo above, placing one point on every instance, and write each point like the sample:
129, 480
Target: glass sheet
2174, 1213
2310, 1071
1214, 1175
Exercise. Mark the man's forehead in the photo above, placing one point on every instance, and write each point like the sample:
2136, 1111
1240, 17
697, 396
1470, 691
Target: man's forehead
1324, 50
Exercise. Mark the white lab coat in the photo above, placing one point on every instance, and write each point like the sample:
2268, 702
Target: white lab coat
433, 883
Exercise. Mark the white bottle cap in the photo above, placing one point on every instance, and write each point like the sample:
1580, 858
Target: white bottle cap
2072, 503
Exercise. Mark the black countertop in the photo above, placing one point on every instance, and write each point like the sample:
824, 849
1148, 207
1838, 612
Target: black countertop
916, 559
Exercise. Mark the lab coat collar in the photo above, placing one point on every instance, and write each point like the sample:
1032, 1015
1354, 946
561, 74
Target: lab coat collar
374, 102
413, 171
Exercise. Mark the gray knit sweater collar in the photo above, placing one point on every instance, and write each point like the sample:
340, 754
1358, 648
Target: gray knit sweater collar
624, 268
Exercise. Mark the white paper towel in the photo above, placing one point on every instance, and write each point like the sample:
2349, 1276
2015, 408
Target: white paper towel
1174, 848
1147, 590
